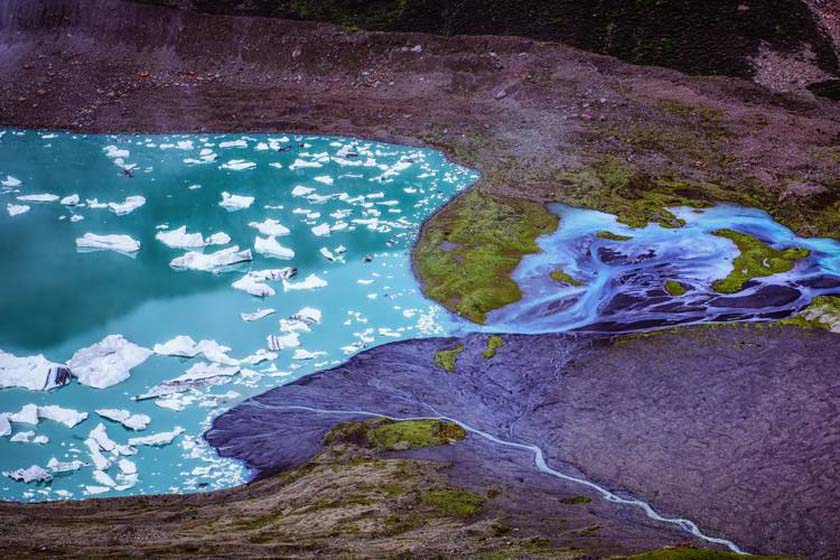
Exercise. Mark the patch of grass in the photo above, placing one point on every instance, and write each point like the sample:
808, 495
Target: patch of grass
823, 313
675, 288
690, 553
494, 342
398, 524
453, 501
448, 359
467, 251
756, 259
558, 275
610, 236
416, 433
576, 500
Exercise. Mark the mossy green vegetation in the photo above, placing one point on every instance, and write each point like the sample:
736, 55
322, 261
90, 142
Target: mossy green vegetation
559, 275
453, 501
610, 236
494, 342
823, 313
755, 259
576, 500
447, 360
415, 433
467, 251
690, 553
675, 288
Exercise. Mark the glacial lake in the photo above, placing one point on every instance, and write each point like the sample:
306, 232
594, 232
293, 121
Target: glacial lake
327, 224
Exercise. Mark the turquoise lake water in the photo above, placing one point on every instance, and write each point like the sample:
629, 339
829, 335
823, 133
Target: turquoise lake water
372, 198
349, 210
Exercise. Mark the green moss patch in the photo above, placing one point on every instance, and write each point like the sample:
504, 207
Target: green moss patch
756, 259
415, 433
467, 251
494, 342
453, 501
675, 288
448, 359
823, 313
686, 553
576, 500
559, 275
610, 236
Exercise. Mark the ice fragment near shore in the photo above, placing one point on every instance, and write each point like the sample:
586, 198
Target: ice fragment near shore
270, 228
57, 466
35, 373
233, 202
277, 343
181, 346
160, 439
213, 261
119, 243
311, 282
198, 376
238, 165
28, 414
16, 209
252, 286
5, 425
32, 474
107, 362
129, 205
269, 247
136, 422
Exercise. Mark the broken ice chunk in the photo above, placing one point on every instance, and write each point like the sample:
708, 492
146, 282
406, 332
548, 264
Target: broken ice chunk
180, 239
28, 414
233, 144
238, 165
275, 273
66, 416
100, 462
269, 247
10, 181
212, 262
44, 197
301, 163
127, 467
300, 190
57, 466
308, 315
277, 343
129, 205
218, 238
119, 243
326, 179
311, 282
32, 474
252, 286
270, 228
160, 439
114, 152
35, 373
258, 357
233, 202
215, 352
136, 422
321, 230
41, 440
104, 479
256, 315
22, 437
5, 425
15, 209
327, 254
204, 370
107, 362
182, 346
301, 354
71, 200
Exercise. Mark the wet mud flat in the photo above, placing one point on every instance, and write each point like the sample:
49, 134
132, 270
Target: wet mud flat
733, 427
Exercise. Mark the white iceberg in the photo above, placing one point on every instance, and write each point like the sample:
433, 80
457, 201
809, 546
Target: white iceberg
163, 438
270, 228
215, 352
277, 343
35, 373
67, 416
127, 467
233, 202
41, 440
204, 370
107, 362
218, 238
22, 437
100, 462
181, 346
119, 243
233, 144
301, 354
136, 422
253, 286
104, 479
28, 414
269, 247
180, 239
16, 209
10, 181
71, 200
5, 425
325, 179
114, 152
327, 254
257, 315
321, 229
308, 315
274, 273
44, 197
57, 466
258, 357
213, 261
94, 490
300, 190
311, 282
129, 205
301, 163
238, 165
32, 474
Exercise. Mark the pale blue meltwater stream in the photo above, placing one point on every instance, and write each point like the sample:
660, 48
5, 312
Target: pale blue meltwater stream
343, 213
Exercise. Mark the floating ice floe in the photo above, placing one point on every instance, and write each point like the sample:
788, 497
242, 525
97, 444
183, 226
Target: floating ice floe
32, 474
276, 343
71, 200
325, 179
107, 362
233, 202
114, 152
136, 422
238, 165
233, 144
129, 205
100, 462
256, 315
42, 198
300, 190
269, 247
302, 163
216, 352
180, 239
59, 467
118, 243
76, 218
311, 282
327, 254
321, 229
16, 209
10, 181
22, 437
35, 373
181, 346
252, 286
270, 228
160, 439
5, 425
213, 261
258, 357
301, 354
28, 414
67, 416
